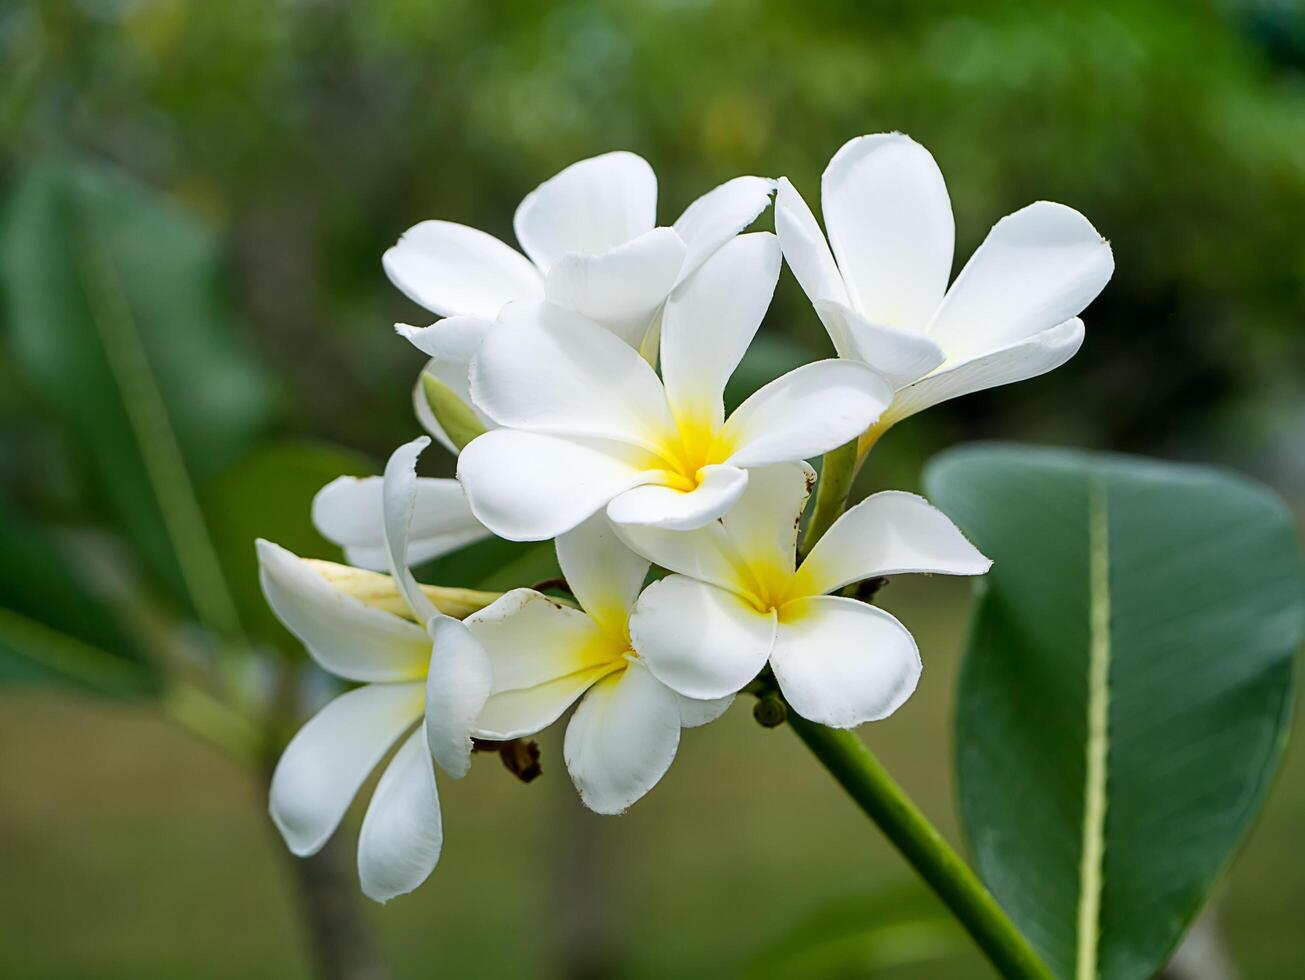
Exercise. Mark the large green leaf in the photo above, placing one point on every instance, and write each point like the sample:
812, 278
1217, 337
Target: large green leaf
1126, 692
115, 319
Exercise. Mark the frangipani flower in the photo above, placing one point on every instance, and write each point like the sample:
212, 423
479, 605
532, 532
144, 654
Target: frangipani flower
544, 656
1011, 314
349, 511
586, 423
426, 676
738, 600
592, 246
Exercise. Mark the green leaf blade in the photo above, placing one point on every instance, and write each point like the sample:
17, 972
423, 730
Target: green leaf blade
1202, 596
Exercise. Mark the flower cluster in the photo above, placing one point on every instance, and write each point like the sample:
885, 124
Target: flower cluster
590, 371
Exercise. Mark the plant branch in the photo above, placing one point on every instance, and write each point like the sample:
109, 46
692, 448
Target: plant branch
868, 783
836, 476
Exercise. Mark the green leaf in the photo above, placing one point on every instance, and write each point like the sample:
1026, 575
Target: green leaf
454, 415
1125, 697
116, 320
52, 628
268, 494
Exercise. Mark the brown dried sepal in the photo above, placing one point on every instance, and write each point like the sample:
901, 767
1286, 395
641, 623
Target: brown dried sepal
521, 758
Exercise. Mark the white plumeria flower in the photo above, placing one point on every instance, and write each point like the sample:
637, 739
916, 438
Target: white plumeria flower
349, 512
544, 656
1011, 314
586, 423
431, 668
593, 248
738, 601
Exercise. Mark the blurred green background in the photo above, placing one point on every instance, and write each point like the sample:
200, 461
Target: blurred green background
196, 197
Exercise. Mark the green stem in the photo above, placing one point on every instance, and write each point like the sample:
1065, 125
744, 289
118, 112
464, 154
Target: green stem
875, 791
836, 476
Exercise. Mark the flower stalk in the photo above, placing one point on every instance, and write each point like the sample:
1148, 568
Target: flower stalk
868, 783
837, 472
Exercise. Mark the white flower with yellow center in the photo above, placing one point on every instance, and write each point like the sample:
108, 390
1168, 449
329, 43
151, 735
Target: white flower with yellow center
421, 672
587, 424
544, 656
739, 599
592, 245
1011, 314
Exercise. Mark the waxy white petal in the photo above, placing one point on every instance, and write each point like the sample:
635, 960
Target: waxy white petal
840, 662
705, 553
532, 640
403, 831
398, 500
695, 713
700, 640
807, 412
456, 689
528, 710
888, 533
719, 215
621, 289
709, 322
890, 225
451, 269
525, 486
545, 369
806, 250
349, 512
603, 573
1027, 359
321, 769
342, 634
1037, 268
622, 739
590, 207
763, 525
900, 356
719, 487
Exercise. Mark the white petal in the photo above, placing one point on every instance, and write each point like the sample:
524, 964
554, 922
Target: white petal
840, 662
888, 533
348, 511
700, 640
1039, 354
342, 634
524, 486
451, 270
809, 411
705, 554
545, 369
531, 639
321, 769
602, 573
719, 487
805, 249
900, 356
719, 215
543, 656
890, 225
1037, 268
763, 525
621, 289
453, 340
695, 713
398, 500
403, 831
456, 689
709, 322
592, 206
622, 739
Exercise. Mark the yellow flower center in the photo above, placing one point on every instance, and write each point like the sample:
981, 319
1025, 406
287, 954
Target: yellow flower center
695, 443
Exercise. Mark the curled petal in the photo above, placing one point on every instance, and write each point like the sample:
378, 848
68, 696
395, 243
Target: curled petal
452, 270
719, 215
456, 689
719, 487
